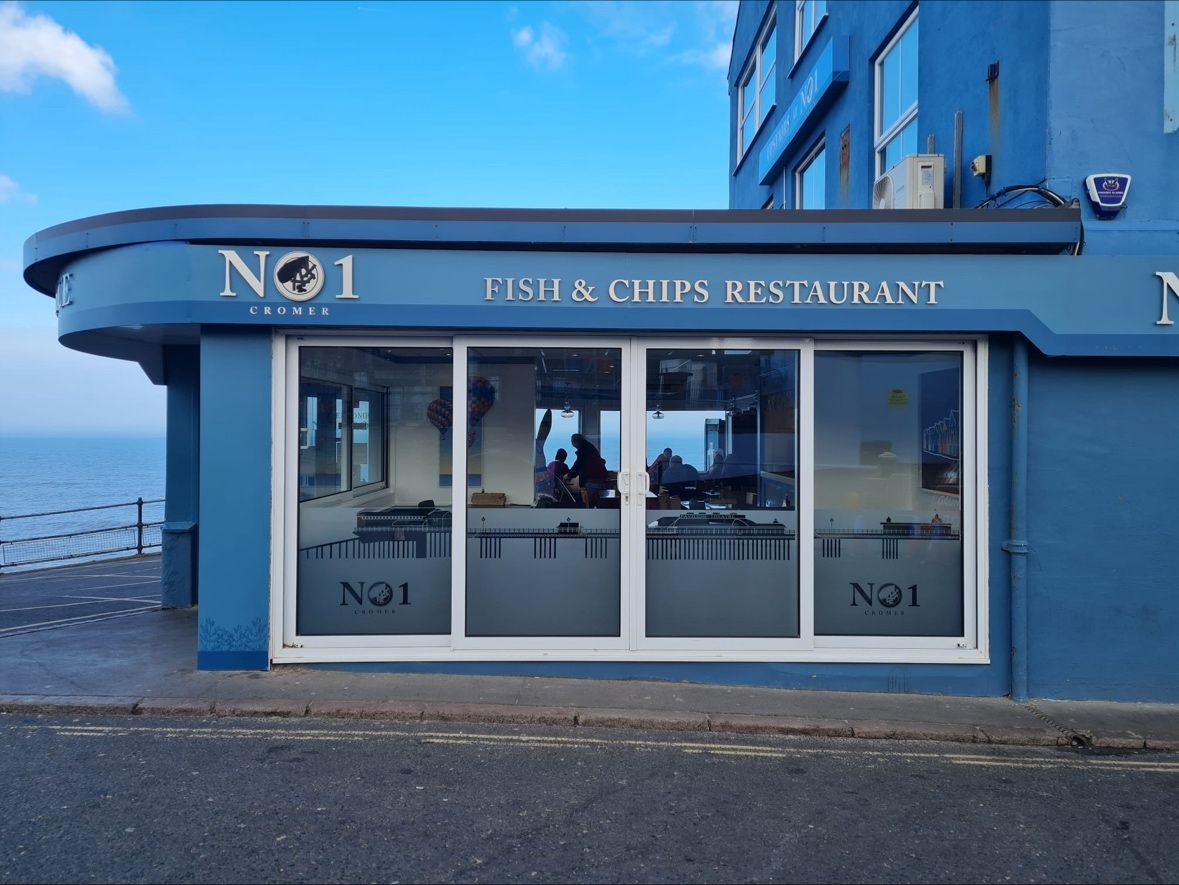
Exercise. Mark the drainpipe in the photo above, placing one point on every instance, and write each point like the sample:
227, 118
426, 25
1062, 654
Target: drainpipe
1016, 544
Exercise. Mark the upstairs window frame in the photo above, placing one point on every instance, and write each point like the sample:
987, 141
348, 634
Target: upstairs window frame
760, 75
885, 134
808, 15
807, 165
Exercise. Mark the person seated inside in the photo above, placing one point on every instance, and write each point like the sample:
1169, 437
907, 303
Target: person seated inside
679, 478
558, 467
589, 468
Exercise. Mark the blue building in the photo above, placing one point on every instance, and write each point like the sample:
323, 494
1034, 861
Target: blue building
857, 448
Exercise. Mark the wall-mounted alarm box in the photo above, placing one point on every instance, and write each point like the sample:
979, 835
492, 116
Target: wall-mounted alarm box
1108, 191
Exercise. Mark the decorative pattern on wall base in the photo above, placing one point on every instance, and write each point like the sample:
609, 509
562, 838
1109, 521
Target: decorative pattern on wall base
252, 637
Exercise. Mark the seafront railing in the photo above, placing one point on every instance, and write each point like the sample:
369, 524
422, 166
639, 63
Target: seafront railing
59, 536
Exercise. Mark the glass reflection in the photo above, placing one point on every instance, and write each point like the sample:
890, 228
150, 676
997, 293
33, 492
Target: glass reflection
374, 512
543, 527
721, 462
888, 497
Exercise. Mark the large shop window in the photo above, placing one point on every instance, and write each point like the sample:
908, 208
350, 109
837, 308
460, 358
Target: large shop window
721, 521
373, 551
635, 497
888, 494
543, 528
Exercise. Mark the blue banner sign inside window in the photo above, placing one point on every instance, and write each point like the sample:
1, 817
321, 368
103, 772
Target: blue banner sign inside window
822, 84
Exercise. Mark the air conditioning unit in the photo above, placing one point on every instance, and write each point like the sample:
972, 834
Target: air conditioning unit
916, 182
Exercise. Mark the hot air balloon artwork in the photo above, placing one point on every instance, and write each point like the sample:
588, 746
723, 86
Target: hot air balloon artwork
440, 412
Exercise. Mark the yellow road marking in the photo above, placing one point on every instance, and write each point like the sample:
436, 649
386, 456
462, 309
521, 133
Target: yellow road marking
560, 742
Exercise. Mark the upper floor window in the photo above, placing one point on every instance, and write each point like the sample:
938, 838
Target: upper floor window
757, 88
807, 15
896, 98
810, 180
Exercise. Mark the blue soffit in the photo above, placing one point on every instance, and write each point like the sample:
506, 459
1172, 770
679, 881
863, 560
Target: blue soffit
827, 76
945, 231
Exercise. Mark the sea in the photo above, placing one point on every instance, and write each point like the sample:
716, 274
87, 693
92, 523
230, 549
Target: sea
49, 474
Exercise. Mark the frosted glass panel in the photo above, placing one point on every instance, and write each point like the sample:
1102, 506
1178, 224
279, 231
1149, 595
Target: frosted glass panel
543, 555
374, 516
888, 503
721, 527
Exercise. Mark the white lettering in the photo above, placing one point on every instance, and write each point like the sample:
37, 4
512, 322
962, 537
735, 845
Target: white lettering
700, 291
816, 292
551, 287
733, 292
616, 298
346, 292
1170, 286
232, 259
491, 287
933, 285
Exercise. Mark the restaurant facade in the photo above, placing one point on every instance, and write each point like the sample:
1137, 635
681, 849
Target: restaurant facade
841, 449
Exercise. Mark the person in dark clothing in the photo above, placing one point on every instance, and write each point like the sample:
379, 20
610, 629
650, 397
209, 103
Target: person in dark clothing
558, 467
589, 468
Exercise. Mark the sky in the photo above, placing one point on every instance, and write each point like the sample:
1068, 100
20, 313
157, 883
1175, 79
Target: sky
112, 106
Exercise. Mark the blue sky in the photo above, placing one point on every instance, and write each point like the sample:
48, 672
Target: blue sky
112, 106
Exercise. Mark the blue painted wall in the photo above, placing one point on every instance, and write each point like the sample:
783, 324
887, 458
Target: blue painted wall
178, 570
1079, 91
1105, 114
235, 504
1103, 557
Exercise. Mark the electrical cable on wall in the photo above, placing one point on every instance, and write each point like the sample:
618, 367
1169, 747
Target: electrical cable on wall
1031, 196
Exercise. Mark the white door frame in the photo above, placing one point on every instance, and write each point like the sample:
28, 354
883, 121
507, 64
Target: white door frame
632, 645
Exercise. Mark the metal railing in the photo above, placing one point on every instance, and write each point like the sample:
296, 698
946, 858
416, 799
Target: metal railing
39, 538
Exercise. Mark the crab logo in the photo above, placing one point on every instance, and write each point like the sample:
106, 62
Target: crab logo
298, 276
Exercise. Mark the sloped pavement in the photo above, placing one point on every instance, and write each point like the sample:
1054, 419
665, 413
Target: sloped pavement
92, 639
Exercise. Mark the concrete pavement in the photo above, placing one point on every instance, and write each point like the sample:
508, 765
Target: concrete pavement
91, 639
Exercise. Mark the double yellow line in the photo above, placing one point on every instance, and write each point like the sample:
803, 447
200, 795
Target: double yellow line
284, 730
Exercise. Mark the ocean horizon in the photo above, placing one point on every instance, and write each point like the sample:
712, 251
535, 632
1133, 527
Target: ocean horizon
47, 473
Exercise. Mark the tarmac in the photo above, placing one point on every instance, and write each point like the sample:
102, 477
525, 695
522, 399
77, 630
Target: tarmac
92, 639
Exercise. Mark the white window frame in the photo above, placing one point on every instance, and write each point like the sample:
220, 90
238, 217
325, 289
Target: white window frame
800, 171
818, 15
755, 76
972, 647
881, 139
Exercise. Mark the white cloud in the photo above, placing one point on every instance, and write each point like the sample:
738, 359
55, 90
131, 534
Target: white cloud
34, 46
10, 191
640, 26
544, 51
716, 58
698, 33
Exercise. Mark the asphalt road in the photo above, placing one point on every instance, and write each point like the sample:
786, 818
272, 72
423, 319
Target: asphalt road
147, 799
